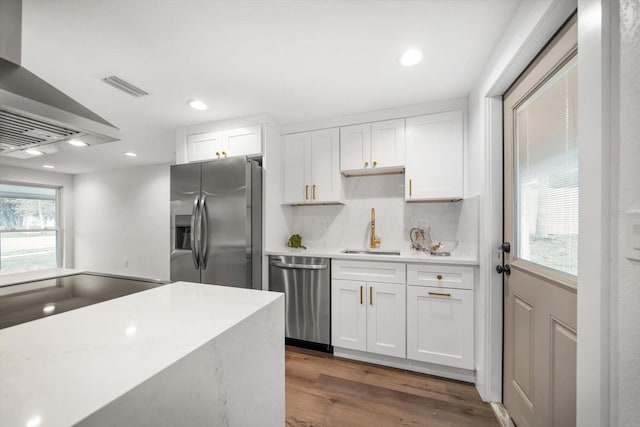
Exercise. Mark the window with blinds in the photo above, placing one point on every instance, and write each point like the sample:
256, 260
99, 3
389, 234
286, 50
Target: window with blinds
29, 228
547, 173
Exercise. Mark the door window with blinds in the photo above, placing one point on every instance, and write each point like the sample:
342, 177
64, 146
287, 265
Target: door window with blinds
29, 228
547, 173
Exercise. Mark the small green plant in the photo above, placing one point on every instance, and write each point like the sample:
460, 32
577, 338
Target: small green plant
295, 241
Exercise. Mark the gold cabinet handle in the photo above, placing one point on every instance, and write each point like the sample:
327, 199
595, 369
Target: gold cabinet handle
313, 192
410, 188
306, 192
218, 154
439, 276
366, 164
224, 153
375, 164
439, 294
371, 295
360, 295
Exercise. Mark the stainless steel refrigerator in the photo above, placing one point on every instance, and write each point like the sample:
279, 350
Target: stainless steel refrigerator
216, 222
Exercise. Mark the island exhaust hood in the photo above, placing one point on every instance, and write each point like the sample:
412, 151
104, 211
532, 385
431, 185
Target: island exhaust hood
34, 114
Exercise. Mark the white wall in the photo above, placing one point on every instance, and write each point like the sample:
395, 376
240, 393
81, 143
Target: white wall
625, 298
122, 221
65, 182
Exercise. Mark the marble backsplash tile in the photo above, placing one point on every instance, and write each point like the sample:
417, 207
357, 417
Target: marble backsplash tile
348, 226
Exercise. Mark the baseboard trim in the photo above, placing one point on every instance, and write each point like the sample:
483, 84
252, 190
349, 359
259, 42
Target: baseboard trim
502, 415
409, 365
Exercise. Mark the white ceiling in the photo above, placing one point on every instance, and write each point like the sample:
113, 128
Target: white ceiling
295, 60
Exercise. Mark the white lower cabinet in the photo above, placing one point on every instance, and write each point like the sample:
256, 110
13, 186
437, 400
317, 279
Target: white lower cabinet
440, 326
348, 315
368, 316
416, 312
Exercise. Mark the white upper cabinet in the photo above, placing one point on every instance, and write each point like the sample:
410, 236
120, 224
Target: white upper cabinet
355, 147
372, 148
388, 144
197, 143
203, 146
434, 157
245, 141
311, 165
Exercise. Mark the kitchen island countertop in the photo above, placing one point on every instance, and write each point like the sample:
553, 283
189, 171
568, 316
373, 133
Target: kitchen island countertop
153, 355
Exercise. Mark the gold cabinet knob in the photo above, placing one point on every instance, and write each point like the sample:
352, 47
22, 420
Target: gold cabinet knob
366, 164
224, 153
218, 154
439, 276
375, 164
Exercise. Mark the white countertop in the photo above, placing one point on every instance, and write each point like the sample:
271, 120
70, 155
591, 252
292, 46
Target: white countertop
58, 370
405, 256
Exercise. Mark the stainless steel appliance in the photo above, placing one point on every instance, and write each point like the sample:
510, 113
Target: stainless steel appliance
32, 112
216, 222
306, 284
27, 301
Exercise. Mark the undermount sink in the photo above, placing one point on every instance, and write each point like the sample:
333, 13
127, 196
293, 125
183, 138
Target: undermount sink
370, 252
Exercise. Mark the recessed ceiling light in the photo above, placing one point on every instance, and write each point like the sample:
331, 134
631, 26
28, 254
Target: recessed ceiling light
130, 154
48, 166
77, 143
34, 152
411, 57
197, 105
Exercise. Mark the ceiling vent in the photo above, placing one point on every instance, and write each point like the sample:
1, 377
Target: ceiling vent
124, 86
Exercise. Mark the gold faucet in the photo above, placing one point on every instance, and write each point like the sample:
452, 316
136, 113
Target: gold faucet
374, 240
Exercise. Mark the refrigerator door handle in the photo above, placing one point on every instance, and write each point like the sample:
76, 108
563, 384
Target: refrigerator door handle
194, 233
204, 228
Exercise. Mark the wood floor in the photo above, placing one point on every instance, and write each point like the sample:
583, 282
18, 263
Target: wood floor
325, 391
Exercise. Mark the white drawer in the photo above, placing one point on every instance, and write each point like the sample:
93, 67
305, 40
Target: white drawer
368, 271
440, 276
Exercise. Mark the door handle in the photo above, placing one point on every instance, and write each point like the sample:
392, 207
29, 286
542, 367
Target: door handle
506, 247
194, 239
204, 237
299, 266
506, 269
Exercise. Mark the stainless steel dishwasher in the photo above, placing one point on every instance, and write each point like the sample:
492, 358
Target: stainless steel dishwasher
306, 284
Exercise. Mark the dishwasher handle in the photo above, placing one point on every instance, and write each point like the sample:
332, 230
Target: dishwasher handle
300, 266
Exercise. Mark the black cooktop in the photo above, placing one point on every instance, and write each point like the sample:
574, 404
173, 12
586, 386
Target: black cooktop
29, 301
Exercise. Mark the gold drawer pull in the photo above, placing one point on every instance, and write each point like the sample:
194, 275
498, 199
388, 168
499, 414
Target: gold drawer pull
306, 192
314, 191
218, 154
375, 164
440, 294
439, 276
366, 164
410, 188
224, 153
360, 295
371, 295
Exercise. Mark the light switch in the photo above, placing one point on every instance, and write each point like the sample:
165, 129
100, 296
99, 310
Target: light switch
633, 236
